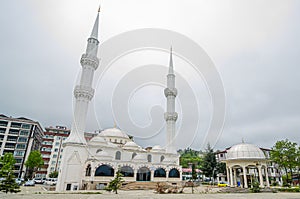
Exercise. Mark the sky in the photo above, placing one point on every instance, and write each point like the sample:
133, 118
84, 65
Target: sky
254, 45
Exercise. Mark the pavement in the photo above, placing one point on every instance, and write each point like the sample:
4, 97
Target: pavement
38, 192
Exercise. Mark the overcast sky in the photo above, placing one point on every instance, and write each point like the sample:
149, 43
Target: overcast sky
254, 45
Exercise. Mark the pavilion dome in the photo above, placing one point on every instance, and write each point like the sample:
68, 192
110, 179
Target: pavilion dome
245, 151
114, 132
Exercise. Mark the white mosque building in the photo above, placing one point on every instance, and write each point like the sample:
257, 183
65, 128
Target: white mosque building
86, 165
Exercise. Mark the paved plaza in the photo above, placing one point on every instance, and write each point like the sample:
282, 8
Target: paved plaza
38, 192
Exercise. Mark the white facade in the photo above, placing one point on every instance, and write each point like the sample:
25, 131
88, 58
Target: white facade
89, 164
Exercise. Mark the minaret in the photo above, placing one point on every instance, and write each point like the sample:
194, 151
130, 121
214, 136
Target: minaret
75, 151
171, 115
84, 92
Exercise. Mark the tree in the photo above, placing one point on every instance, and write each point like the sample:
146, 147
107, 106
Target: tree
34, 162
8, 184
53, 174
284, 153
194, 173
189, 156
209, 163
116, 183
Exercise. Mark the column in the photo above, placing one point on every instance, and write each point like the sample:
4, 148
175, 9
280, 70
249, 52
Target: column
167, 175
228, 175
261, 181
134, 174
152, 175
245, 177
267, 176
231, 178
234, 177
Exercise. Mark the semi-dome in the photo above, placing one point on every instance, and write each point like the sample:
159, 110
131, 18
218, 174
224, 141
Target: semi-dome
157, 148
114, 132
98, 140
245, 151
131, 145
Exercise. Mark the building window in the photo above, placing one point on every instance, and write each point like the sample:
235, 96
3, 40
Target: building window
149, 158
22, 139
19, 153
160, 172
88, 170
133, 155
174, 173
21, 146
162, 158
118, 155
26, 133
26, 126
54, 156
56, 149
127, 171
104, 170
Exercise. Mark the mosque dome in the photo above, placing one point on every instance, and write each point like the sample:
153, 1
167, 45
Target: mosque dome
102, 155
157, 148
245, 151
131, 145
98, 140
114, 132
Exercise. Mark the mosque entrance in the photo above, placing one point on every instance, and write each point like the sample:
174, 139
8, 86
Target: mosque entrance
143, 174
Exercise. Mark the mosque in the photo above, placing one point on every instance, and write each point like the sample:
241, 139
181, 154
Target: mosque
92, 164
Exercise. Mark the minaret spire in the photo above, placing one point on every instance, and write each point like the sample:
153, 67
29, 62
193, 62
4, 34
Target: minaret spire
171, 115
94, 33
171, 71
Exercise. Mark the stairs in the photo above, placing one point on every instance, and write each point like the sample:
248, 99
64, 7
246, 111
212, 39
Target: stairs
139, 186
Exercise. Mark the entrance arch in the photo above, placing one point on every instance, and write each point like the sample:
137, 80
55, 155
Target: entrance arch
160, 172
104, 170
127, 171
143, 174
174, 173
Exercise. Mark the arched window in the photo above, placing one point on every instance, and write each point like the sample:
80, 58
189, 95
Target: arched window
88, 170
98, 150
162, 158
160, 172
127, 171
133, 155
104, 170
149, 158
118, 155
174, 173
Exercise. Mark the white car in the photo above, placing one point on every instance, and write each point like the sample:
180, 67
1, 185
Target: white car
50, 181
29, 183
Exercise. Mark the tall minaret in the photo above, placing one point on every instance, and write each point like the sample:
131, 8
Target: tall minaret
84, 92
75, 152
171, 115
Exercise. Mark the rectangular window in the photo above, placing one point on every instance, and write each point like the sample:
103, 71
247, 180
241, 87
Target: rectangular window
26, 126
19, 153
54, 156
22, 139
21, 146
19, 160
56, 149
23, 132
15, 125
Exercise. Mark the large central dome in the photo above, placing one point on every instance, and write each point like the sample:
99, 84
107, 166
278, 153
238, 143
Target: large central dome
114, 132
245, 151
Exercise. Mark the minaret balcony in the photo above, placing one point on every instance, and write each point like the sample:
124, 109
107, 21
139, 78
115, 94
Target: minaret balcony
170, 92
89, 60
83, 92
171, 116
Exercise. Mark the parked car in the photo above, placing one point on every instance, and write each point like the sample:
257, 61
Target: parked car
50, 181
19, 181
222, 184
39, 180
29, 183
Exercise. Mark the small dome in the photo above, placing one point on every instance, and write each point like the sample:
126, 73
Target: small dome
114, 132
131, 145
157, 148
244, 151
98, 140
102, 155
